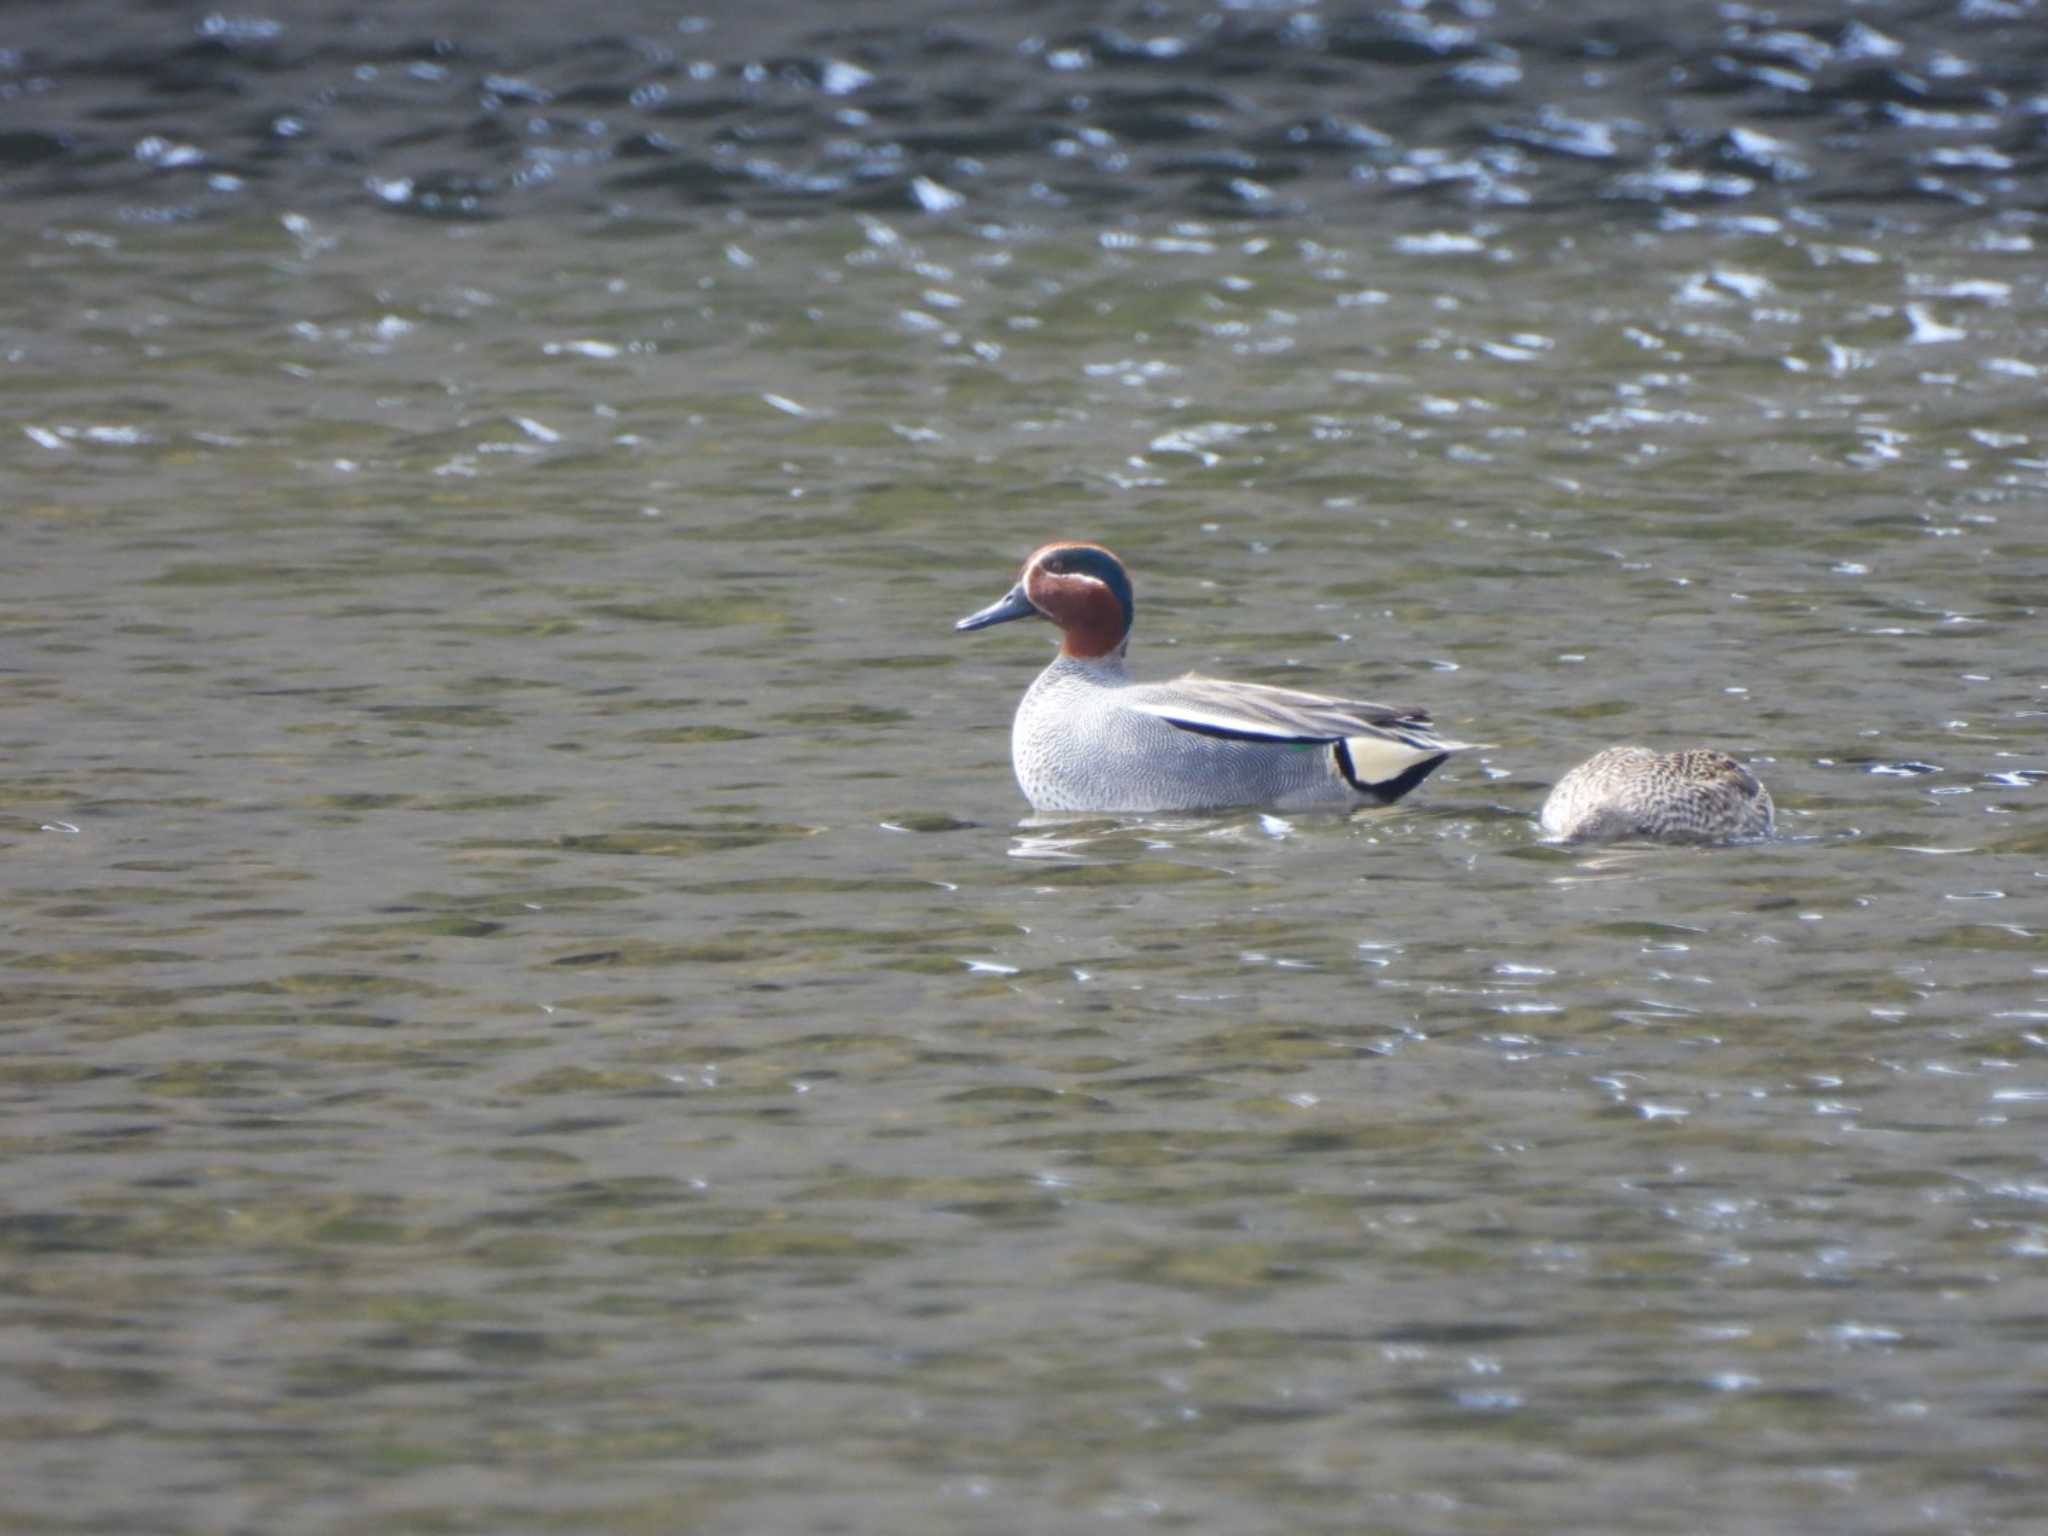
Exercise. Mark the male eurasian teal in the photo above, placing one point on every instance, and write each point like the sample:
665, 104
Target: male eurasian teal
1698, 796
1089, 738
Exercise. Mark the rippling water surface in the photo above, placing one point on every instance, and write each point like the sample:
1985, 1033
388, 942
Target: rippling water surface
531, 1001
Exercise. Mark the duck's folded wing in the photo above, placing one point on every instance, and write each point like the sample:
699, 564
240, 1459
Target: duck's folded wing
1255, 712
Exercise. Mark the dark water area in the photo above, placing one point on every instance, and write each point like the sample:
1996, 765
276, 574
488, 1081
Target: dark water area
1029, 112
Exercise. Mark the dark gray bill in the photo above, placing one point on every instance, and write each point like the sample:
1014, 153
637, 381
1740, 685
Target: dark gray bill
1012, 605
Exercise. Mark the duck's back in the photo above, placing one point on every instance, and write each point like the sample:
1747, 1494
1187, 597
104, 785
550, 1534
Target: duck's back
1695, 796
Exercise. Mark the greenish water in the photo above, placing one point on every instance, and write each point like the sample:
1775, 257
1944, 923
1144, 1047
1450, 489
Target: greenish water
531, 1001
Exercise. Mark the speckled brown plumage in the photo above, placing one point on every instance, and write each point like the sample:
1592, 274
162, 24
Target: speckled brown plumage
1696, 796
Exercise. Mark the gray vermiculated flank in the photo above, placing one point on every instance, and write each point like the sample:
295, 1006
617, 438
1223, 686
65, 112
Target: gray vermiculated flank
1078, 746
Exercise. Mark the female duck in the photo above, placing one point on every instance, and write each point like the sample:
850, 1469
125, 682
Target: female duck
1089, 738
1697, 796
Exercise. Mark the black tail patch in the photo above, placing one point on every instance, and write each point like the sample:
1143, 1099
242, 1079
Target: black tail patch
1387, 791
